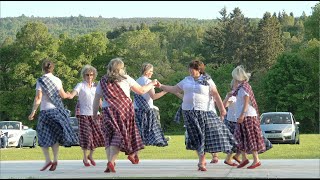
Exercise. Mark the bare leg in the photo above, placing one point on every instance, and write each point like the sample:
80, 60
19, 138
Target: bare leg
202, 162
55, 149
46, 154
244, 156
215, 158
229, 158
91, 154
108, 154
85, 159
114, 152
255, 157
237, 155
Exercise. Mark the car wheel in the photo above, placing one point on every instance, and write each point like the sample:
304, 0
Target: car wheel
34, 143
20, 142
298, 142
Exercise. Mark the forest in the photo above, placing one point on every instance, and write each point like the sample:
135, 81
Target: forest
280, 50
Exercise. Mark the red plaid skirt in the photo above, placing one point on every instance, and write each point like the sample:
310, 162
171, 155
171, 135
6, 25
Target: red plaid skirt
90, 132
121, 132
249, 135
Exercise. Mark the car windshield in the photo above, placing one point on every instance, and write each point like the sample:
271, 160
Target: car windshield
9, 125
276, 119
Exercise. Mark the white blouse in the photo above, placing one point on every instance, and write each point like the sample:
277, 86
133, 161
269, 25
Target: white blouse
231, 114
45, 100
196, 96
240, 103
143, 80
125, 85
86, 96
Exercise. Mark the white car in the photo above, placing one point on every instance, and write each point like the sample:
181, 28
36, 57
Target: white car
280, 127
18, 134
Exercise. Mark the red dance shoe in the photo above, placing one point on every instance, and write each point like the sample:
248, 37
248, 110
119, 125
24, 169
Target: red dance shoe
92, 161
46, 166
53, 166
255, 165
243, 163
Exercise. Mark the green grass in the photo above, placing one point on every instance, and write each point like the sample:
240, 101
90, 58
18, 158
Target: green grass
309, 148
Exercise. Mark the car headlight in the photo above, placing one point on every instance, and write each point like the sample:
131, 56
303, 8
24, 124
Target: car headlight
287, 130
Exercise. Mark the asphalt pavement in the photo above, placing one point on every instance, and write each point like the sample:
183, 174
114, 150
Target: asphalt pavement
74, 169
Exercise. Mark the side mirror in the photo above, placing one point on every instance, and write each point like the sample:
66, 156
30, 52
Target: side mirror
297, 123
25, 127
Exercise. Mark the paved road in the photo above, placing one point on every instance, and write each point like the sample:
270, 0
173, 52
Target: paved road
282, 168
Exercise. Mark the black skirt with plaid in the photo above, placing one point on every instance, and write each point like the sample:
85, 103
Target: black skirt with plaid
149, 128
54, 127
207, 133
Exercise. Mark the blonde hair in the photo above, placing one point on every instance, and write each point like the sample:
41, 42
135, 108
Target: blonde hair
240, 74
87, 69
115, 70
145, 67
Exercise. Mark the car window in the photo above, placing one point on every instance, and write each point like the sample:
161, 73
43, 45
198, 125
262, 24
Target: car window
276, 119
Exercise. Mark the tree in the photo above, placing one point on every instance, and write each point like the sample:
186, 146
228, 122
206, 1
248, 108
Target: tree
312, 23
268, 41
137, 47
292, 85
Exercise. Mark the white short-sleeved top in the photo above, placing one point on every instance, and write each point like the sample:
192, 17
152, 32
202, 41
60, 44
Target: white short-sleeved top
125, 85
196, 96
85, 97
231, 114
144, 81
45, 100
240, 103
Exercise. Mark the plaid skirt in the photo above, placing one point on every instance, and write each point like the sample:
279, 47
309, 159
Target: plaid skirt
121, 133
249, 136
90, 132
150, 128
54, 127
207, 133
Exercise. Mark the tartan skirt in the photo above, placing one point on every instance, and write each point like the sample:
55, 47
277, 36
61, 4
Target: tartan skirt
249, 136
120, 132
90, 132
207, 133
54, 127
150, 128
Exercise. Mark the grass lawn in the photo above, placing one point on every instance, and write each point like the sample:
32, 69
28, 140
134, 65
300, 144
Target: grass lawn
309, 148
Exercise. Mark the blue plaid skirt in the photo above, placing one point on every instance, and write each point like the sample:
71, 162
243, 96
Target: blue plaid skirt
207, 133
53, 126
150, 128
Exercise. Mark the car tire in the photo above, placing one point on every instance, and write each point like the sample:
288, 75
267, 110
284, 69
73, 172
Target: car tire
20, 143
34, 143
298, 142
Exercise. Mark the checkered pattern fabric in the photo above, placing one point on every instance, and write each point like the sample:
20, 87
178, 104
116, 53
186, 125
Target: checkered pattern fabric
118, 120
249, 135
77, 108
246, 86
204, 79
51, 90
53, 124
148, 124
207, 133
90, 133
177, 116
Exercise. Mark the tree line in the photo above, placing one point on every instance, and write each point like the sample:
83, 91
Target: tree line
280, 50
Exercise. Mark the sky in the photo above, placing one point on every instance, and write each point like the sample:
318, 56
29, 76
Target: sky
142, 9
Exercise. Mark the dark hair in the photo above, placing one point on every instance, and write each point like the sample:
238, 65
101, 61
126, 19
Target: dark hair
197, 65
47, 65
